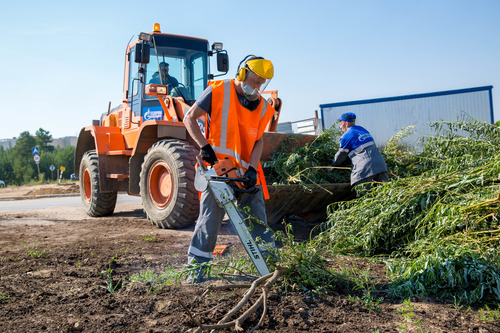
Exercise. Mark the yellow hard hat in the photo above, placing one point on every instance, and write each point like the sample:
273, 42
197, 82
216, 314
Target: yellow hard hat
262, 67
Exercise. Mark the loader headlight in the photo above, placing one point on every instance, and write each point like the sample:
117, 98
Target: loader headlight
161, 90
145, 37
217, 46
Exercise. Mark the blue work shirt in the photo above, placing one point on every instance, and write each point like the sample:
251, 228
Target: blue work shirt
358, 145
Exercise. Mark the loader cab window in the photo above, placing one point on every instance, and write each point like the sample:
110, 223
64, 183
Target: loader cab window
199, 75
133, 82
187, 71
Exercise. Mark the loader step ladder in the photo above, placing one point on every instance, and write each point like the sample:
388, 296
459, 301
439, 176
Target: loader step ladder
118, 176
119, 152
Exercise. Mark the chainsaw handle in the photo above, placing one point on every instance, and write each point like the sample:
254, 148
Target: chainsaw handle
201, 163
252, 190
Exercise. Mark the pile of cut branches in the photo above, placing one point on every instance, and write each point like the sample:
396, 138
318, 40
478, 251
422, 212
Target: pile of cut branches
440, 225
307, 164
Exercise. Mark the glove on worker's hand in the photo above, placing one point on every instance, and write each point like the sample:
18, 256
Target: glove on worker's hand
251, 176
208, 155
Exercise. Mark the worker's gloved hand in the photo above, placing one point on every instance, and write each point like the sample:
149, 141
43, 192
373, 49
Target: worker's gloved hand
208, 155
251, 176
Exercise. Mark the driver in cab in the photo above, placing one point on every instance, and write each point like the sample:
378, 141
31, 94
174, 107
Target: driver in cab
164, 78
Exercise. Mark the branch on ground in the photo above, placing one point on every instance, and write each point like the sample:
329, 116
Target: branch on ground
265, 283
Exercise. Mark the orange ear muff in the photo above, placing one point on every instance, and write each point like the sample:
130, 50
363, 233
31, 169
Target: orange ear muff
242, 73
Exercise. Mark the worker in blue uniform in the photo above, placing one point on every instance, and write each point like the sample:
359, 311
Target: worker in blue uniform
358, 145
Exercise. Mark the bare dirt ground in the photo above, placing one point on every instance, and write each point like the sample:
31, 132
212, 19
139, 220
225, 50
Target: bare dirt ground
31, 191
50, 280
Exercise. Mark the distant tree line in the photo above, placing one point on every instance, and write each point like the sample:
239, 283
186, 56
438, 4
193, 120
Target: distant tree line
17, 166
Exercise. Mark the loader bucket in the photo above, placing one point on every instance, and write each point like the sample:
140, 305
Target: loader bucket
308, 202
273, 140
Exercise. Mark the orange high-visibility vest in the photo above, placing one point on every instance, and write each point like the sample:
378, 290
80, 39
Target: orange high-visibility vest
234, 129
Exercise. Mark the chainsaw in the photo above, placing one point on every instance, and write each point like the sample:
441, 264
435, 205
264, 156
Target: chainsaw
224, 195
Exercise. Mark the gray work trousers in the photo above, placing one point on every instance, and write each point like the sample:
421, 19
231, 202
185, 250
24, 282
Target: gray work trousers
210, 219
379, 177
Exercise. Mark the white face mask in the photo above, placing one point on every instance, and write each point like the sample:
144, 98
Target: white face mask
249, 92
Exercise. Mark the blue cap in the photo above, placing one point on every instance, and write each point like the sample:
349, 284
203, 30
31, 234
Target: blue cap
348, 116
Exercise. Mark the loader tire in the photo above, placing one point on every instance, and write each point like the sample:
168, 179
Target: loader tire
95, 203
167, 184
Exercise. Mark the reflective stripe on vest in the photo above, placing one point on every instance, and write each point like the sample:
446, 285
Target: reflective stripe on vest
264, 109
226, 104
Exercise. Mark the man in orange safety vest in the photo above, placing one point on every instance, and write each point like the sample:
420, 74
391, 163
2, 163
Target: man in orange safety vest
236, 116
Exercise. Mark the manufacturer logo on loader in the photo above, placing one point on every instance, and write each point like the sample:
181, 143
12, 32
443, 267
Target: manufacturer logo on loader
153, 114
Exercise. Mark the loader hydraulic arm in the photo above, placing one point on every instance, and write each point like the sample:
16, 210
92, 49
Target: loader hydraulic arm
174, 108
275, 102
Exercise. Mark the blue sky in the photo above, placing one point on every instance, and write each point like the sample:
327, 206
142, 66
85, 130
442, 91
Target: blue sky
62, 62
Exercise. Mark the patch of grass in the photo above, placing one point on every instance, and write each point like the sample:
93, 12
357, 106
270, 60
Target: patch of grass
122, 251
362, 281
307, 270
489, 315
4, 298
34, 251
154, 280
110, 285
234, 264
149, 238
409, 321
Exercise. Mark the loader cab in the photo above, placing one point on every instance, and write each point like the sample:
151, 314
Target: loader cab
188, 70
